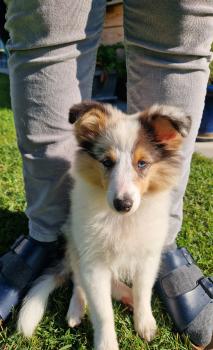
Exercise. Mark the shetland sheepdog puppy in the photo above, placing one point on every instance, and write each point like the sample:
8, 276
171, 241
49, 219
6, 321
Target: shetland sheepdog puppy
124, 170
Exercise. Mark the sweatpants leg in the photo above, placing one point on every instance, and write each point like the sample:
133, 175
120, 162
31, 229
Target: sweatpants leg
52, 59
168, 53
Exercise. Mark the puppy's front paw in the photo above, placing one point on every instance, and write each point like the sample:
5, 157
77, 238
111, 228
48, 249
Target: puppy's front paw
73, 321
77, 307
146, 327
75, 313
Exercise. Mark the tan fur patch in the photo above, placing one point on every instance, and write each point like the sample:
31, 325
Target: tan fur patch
162, 176
142, 149
159, 174
142, 183
90, 125
91, 170
111, 154
141, 152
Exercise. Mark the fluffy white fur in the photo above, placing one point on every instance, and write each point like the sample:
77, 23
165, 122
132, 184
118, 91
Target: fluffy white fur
125, 247
105, 247
34, 305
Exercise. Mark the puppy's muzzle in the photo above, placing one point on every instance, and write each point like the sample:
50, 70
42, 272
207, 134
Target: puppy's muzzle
123, 205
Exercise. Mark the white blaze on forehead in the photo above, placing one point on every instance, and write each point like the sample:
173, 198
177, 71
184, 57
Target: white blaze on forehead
121, 184
122, 131
123, 174
122, 135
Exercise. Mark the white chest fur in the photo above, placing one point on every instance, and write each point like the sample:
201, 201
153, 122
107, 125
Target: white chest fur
120, 241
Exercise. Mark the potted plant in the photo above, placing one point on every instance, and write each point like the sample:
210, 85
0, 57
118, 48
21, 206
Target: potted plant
110, 67
3, 59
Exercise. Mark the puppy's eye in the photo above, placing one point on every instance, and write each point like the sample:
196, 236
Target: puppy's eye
108, 163
142, 164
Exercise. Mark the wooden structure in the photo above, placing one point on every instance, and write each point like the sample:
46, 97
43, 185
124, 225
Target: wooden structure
113, 26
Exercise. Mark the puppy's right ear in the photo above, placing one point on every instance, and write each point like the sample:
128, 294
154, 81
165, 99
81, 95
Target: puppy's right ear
90, 120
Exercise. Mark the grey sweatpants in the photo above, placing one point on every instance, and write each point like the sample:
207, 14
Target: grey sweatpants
52, 59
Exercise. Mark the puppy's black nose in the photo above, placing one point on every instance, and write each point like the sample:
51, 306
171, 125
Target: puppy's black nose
123, 204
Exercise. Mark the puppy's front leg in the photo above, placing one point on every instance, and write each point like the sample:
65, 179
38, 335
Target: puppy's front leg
96, 281
143, 282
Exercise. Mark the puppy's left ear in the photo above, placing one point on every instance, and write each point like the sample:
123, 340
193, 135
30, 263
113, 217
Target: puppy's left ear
168, 125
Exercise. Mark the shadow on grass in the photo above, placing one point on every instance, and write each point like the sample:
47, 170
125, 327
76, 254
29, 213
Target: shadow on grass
13, 224
53, 328
5, 91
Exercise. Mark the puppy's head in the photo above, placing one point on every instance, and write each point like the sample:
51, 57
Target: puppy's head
128, 156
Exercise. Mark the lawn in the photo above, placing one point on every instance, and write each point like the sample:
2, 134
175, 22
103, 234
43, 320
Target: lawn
53, 333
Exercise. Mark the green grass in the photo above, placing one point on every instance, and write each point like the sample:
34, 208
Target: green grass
53, 332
